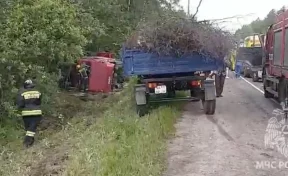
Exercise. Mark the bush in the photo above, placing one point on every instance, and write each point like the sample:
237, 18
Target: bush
35, 36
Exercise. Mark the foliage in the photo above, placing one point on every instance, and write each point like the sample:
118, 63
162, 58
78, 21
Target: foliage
118, 18
172, 33
258, 25
122, 144
44, 32
37, 35
107, 139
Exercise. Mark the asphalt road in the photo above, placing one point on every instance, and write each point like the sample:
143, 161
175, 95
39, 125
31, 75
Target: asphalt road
229, 143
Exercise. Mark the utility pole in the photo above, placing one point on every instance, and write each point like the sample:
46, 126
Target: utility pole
188, 7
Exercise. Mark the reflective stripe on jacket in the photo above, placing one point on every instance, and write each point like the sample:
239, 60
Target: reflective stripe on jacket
30, 133
83, 72
31, 112
220, 72
29, 101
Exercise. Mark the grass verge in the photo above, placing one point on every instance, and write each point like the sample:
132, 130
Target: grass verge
113, 142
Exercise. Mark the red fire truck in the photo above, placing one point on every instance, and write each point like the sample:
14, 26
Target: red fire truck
275, 68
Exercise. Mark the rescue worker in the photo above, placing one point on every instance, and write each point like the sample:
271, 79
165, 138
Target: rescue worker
82, 69
29, 102
220, 76
237, 69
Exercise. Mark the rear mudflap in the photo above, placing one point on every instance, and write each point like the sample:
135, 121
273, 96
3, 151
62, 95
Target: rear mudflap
209, 89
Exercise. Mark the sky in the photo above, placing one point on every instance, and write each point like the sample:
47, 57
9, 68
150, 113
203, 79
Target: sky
247, 10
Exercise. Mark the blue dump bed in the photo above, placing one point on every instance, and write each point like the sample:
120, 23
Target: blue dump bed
137, 62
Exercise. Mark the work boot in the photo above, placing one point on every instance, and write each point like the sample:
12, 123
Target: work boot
28, 141
32, 141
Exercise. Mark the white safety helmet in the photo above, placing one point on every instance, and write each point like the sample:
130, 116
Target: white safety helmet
28, 81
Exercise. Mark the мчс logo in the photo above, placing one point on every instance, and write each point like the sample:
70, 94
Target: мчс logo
277, 133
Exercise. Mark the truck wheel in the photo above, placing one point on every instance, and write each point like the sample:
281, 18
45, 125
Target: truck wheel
141, 110
171, 94
281, 91
193, 95
209, 106
246, 74
267, 94
255, 77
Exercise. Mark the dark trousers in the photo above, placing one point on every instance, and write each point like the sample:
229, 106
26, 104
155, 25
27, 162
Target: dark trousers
83, 84
237, 70
30, 124
219, 83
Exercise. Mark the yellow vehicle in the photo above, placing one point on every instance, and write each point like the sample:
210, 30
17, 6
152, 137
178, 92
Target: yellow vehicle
252, 41
250, 56
233, 59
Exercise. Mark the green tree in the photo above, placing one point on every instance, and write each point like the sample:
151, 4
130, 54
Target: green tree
283, 9
35, 36
119, 18
45, 32
257, 26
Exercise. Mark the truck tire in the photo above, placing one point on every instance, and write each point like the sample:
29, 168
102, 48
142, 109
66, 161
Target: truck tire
265, 83
194, 96
281, 91
255, 77
141, 110
171, 94
246, 74
209, 106
267, 94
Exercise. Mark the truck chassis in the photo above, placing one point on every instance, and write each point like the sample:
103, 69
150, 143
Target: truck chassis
274, 87
200, 89
253, 72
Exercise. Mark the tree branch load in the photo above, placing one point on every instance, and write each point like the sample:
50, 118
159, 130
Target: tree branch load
179, 36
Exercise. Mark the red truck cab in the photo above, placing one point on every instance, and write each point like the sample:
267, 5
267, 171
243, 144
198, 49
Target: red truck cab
101, 75
101, 71
103, 56
275, 69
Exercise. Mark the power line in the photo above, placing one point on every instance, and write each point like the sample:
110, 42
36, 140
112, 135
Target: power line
188, 7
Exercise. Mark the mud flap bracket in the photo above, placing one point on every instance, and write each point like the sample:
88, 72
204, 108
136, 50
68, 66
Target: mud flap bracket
209, 90
140, 94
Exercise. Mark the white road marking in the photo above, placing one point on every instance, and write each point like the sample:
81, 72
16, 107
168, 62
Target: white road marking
252, 85
257, 88
274, 101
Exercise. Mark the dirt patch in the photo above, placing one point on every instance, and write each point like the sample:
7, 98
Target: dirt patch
53, 160
70, 105
53, 164
50, 123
